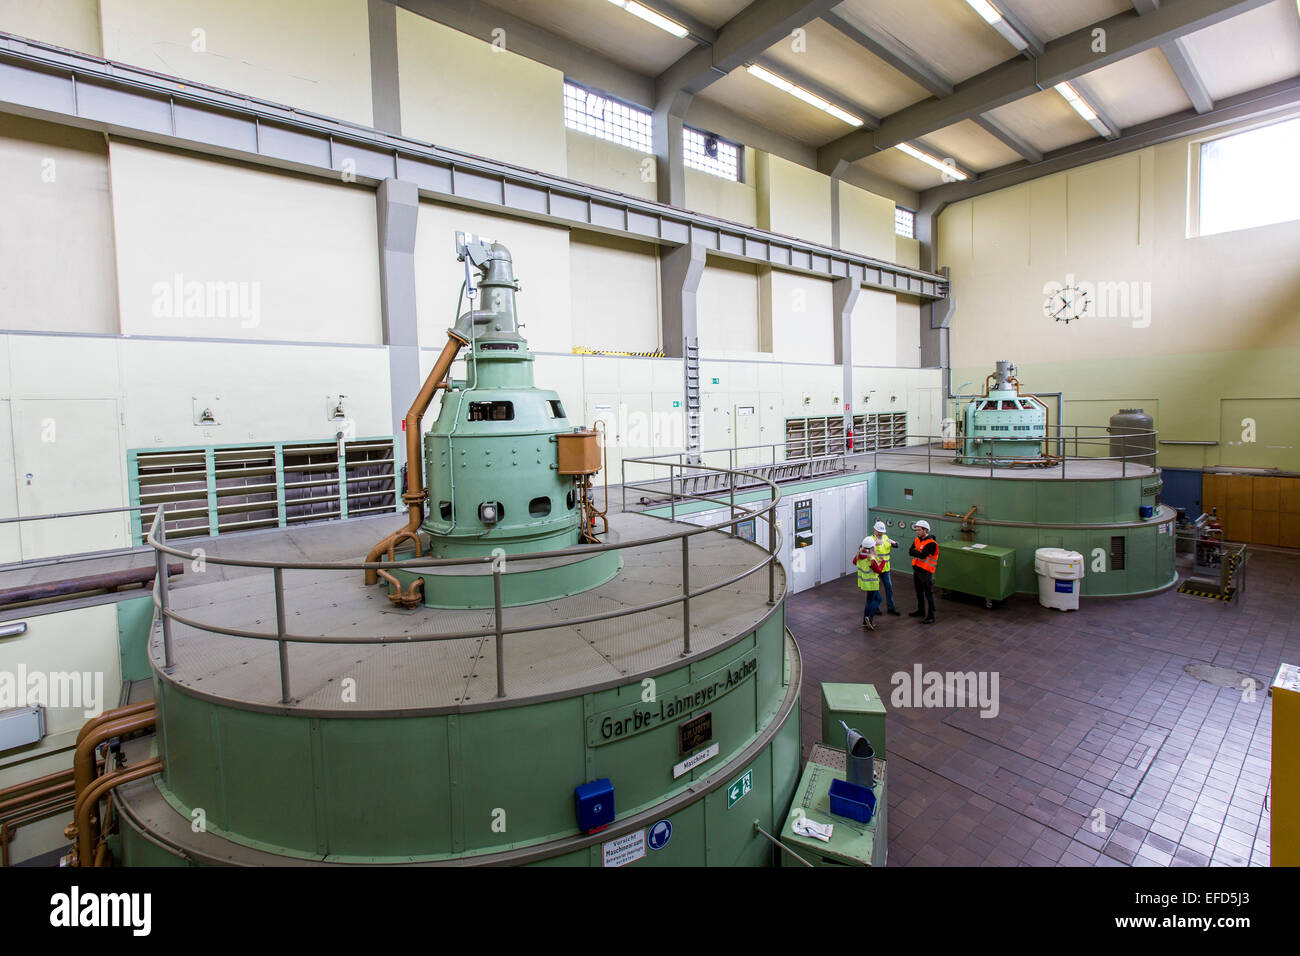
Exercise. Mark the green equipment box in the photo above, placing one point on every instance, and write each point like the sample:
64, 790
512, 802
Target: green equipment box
851, 843
984, 570
859, 706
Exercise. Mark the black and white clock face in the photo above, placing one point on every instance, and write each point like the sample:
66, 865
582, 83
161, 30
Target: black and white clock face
1067, 304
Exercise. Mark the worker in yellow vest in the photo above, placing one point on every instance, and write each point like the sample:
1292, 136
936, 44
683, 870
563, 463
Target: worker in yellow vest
869, 567
925, 561
884, 544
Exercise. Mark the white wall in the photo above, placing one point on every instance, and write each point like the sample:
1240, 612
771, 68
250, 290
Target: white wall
460, 92
312, 54
541, 258
68, 23
301, 253
56, 245
726, 307
614, 285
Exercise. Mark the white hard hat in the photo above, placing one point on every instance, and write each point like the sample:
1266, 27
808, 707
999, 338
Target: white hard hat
923, 524
868, 542
879, 526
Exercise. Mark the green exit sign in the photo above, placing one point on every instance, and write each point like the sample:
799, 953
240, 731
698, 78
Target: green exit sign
677, 404
717, 381
740, 788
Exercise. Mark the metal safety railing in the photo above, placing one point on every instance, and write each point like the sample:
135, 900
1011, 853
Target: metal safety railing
683, 473
1137, 450
500, 629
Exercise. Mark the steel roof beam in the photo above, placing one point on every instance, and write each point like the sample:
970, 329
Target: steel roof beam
894, 52
739, 41
1065, 58
1274, 98
1008, 138
1176, 53
74, 89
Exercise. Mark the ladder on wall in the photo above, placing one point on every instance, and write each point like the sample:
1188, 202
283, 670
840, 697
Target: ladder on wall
691, 359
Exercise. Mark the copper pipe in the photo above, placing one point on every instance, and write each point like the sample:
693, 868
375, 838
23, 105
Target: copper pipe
17, 788
21, 801
115, 714
108, 581
415, 491
88, 801
83, 760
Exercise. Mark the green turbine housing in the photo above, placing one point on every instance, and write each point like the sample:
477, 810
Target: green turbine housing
1003, 424
492, 466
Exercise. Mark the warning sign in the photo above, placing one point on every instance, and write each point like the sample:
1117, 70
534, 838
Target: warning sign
625, 849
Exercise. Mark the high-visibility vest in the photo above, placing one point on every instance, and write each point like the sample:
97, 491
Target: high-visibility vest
868, 580
925, 564
883, 547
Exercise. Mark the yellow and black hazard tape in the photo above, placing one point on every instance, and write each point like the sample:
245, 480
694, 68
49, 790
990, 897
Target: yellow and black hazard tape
581, 350
1216, 595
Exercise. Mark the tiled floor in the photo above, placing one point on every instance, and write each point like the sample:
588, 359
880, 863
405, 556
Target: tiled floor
1104, 752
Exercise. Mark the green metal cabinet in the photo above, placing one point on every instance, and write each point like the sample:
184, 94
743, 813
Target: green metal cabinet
859, 706
984, 570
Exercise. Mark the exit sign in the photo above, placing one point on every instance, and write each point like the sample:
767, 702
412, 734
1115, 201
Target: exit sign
740, 788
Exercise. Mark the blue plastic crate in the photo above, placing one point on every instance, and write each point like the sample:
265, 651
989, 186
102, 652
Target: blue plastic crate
852, 801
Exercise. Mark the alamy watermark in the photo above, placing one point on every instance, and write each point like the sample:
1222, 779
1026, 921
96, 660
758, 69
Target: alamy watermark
951, 689
1121, 300
52, 689
182, 298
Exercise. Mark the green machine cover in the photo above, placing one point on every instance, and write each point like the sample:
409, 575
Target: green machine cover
859, 706
984, 570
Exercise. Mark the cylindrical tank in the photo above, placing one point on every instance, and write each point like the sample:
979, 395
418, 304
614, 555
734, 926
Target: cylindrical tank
1133, 437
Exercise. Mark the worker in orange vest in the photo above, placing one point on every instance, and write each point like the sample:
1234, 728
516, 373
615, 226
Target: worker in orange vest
925, 561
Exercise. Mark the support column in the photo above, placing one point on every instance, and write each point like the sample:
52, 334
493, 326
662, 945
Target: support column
680, 271
836, 176
385, 101
666, 130
398, 207
844, 296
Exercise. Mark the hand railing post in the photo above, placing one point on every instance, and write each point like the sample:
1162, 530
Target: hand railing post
281, 629
731, 487
500, 628
771, 550
622, 476
160, 576
686, 595
672, 493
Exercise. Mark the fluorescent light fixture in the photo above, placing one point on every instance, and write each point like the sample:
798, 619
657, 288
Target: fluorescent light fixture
993, 18
947, 169
812, 99
652, 17
1074, 99
986, 10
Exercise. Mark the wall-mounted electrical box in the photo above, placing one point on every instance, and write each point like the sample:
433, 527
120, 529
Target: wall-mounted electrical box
595, 805
21, 726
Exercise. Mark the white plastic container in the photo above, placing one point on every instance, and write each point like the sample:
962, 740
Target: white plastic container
1060, 576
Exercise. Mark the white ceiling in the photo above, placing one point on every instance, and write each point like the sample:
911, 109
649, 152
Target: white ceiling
1246, 52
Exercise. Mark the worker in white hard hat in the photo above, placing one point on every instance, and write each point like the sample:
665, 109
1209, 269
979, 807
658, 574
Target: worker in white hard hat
869, 566
925, 561
884, 544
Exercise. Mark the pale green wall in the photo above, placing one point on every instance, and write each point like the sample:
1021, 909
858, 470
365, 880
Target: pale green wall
1219, 320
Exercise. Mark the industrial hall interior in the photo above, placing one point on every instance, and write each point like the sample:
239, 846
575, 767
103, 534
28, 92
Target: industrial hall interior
649, 433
